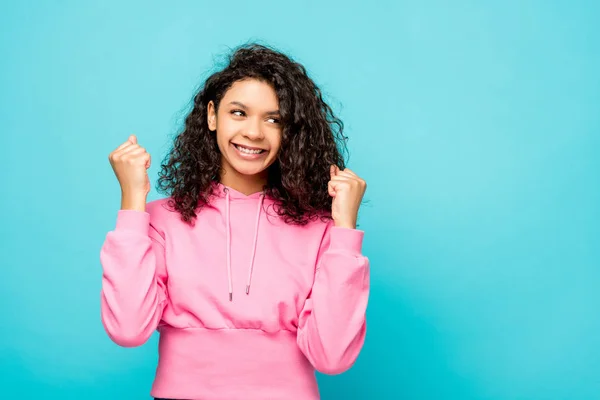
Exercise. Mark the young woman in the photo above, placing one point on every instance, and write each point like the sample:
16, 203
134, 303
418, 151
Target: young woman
251, 269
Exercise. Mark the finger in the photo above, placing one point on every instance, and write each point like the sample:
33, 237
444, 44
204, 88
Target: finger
340, 184
347, 175
130, 148
118, 153
331, 188
348, 171
134, 153
353, 176
343, 178
135, 150
123, 145
132, 139
127, 146
332, 170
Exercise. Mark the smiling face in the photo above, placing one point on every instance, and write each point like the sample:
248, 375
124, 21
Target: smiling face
248, 130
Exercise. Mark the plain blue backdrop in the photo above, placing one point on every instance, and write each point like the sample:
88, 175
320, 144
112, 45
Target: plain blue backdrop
476, 125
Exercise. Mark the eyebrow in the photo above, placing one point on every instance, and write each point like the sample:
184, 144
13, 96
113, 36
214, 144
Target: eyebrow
237, 103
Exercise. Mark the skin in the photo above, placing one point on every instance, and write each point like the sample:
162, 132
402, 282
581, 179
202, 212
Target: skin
347, 190
247, 116
130, 162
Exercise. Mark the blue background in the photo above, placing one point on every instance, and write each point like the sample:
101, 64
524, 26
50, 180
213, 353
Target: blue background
476, 125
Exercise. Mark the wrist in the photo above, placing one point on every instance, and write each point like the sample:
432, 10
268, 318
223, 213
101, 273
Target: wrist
133, 201
345, 224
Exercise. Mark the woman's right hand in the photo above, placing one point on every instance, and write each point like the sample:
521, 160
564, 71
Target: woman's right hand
130, 162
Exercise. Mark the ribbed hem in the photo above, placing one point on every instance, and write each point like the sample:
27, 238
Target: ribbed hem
231, 364
346, 239
132, 220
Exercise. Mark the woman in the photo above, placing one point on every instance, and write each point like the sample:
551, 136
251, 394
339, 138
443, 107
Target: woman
251, 269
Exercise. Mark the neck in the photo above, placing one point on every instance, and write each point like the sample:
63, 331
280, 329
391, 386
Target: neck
246, 184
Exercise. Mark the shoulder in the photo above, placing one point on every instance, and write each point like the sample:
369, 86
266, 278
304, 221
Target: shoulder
162, 215
315, 230
159, 209
320, 224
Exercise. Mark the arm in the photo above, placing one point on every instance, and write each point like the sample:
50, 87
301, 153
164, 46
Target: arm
134, 277
332, 324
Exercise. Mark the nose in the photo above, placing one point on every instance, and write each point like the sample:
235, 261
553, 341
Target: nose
253, 129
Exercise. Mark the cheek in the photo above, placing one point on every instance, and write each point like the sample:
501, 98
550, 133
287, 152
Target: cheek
224, 132
276, 142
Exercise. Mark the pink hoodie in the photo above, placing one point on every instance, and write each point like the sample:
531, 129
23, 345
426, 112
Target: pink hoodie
247, 306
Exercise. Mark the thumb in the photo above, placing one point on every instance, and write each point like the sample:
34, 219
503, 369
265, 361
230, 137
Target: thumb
132, 139
332, 171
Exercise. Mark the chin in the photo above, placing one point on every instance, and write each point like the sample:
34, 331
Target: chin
246, 168
249, 171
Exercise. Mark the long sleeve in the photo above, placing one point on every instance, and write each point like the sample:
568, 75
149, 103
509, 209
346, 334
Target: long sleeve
133, 293
332, 324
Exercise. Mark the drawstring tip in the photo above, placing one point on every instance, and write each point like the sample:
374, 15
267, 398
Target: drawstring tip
247, 289
230, 296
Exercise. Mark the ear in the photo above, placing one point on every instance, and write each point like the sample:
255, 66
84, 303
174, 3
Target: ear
211, 113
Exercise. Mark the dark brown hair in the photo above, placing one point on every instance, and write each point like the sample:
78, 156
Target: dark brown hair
312, 140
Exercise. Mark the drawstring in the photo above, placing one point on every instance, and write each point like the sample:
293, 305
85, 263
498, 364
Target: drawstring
262, 196
228, 233
228, 229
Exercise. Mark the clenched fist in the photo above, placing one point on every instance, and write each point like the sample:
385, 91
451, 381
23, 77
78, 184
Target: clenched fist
347, 190
130, 162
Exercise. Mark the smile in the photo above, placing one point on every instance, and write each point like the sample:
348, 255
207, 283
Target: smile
248, 150
249, 153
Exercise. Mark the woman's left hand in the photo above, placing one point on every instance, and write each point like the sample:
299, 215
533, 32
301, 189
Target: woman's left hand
347, 190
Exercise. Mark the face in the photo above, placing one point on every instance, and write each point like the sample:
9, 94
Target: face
248, 129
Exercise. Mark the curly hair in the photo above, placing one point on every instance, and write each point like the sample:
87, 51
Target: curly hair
312, 140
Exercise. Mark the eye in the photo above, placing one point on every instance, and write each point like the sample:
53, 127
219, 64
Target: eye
238, 113
273, 120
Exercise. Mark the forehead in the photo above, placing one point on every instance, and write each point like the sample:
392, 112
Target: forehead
253, 94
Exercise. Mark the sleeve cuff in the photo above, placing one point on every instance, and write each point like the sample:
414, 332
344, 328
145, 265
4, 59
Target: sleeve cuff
346, 239
132, 220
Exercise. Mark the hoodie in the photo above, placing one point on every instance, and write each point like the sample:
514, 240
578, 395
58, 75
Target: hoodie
246, 306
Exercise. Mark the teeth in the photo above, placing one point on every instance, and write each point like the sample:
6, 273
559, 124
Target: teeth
248, 151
